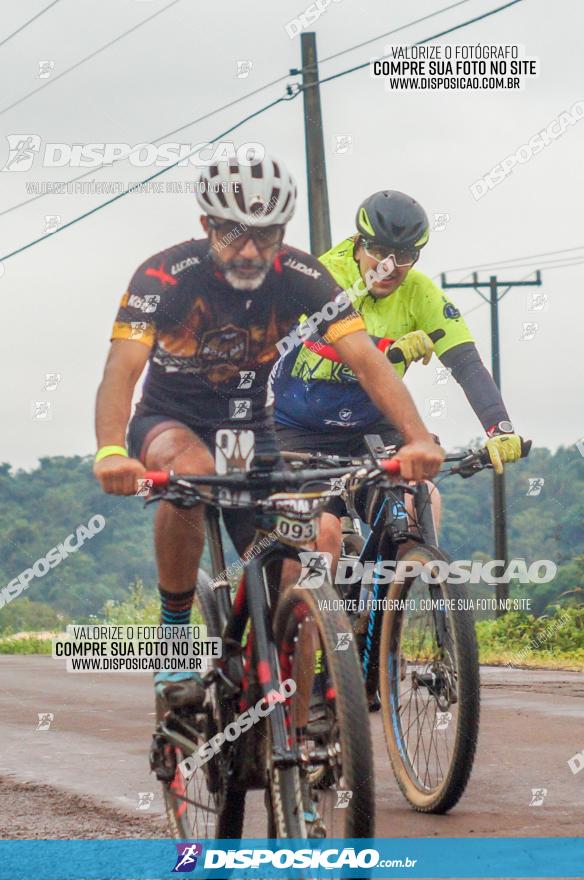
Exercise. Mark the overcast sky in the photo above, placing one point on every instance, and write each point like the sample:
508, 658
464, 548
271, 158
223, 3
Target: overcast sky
60, 297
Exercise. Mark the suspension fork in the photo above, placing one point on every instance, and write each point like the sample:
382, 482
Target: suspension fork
425, 519
424, 515
221, 588
267, 662
370, 651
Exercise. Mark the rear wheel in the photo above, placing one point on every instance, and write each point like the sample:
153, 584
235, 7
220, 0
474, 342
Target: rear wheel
209, 805
331, 792
429, 684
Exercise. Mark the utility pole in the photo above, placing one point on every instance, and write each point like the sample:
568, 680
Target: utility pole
318, 205
499, 505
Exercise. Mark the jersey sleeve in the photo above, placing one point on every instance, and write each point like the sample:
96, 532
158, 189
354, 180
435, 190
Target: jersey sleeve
434, 311
322, 298
135, 317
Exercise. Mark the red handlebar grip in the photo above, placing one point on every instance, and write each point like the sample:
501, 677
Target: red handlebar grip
393, 467
159, 479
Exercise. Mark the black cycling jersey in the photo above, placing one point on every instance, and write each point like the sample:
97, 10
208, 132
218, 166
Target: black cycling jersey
212, 346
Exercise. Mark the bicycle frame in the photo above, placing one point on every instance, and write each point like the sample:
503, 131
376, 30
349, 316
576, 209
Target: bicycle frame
382, 544
254, 600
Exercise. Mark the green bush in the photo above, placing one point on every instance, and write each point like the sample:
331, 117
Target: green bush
521, 639
22, 615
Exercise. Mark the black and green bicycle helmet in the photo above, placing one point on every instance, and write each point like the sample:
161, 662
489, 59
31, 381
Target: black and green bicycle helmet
393, 219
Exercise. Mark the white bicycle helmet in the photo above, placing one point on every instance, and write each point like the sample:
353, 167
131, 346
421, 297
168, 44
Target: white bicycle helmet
262, 194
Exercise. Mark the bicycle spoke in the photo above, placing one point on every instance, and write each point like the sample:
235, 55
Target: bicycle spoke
424, 731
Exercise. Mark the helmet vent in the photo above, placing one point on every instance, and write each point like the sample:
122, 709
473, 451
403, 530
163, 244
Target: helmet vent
287, 202
213, 171
239, 200
257, 171
274, 197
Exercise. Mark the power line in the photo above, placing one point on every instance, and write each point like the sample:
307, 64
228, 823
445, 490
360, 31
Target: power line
140, 183
230, 104
543, 263
77, 64
163, 137
290, 96
552, 265
501, 263
485, 302
449, 30
26, 24
512, 262
390, 33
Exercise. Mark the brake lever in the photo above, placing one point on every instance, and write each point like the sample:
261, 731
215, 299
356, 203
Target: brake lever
470, 468
152, 497
176, 498
479, 460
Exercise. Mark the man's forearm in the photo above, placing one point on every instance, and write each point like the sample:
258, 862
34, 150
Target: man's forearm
390, 395
477, 383
112, 411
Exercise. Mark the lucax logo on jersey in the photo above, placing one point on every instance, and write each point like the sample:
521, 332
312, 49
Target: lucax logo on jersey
184, 264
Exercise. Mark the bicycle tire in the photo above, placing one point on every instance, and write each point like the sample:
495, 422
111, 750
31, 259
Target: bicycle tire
229, 819
445, 795
356, 750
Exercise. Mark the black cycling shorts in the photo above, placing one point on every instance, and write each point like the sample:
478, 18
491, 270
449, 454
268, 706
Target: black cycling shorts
144, 428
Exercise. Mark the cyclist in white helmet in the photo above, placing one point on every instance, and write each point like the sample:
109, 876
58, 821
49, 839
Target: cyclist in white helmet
205, 316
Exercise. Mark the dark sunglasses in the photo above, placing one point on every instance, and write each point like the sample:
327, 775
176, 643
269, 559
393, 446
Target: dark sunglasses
236, 234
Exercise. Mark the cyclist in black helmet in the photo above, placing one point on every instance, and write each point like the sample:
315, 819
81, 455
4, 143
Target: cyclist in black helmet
319, 405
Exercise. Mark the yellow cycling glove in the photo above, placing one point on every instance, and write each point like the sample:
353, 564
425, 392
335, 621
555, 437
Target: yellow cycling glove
503, 448
414, 346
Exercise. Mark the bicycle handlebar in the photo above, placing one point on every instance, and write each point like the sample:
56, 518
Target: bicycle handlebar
471, 462
161, 480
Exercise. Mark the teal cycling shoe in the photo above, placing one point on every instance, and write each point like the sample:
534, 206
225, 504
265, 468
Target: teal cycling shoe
178, 690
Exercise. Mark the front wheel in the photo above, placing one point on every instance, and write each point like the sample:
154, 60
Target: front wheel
429, 682
330, 793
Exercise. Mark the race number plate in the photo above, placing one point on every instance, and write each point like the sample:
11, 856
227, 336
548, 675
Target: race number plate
234, 451
295, 532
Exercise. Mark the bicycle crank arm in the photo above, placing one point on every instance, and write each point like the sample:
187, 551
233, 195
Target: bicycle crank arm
282, 760
318, 757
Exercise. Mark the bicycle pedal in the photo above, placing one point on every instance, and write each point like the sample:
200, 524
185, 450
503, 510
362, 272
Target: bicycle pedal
162, 758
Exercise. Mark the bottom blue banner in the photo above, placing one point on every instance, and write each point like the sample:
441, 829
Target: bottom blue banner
384, 858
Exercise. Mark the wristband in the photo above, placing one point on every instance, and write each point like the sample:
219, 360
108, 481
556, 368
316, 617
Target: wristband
110, 450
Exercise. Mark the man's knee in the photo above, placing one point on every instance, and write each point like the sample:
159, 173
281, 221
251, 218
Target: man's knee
330, 534
181, 450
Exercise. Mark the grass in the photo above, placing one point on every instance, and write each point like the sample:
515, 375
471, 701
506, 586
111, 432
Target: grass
142, 607
26, 644
517, 639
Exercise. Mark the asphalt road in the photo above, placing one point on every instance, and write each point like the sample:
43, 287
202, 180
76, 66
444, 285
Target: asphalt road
82, 777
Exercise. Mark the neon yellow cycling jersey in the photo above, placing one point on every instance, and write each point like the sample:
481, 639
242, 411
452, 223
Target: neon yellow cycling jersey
417, 304
314, 392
